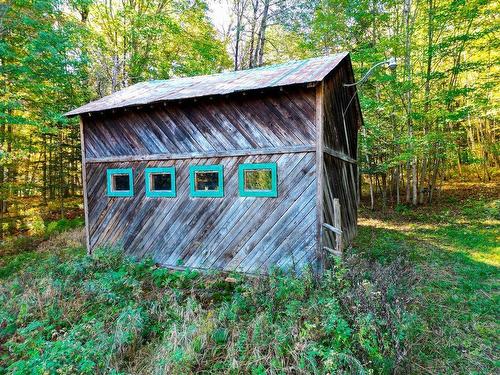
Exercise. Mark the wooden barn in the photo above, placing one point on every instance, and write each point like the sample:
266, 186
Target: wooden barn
232, 171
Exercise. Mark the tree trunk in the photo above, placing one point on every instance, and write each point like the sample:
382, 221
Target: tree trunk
255, 7
408, 68
44, 170
398, 175
259, 51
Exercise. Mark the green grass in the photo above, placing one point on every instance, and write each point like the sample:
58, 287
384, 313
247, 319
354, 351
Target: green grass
70, 313
455, 252
418, 293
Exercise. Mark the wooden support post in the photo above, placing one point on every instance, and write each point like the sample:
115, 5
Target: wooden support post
84, 189
319, 176
337, 223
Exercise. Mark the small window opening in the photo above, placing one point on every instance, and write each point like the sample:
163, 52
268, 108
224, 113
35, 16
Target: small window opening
120, 182
207, 180
258, 180
160, 182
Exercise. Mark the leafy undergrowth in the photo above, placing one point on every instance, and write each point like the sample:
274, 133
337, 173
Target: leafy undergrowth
454, 250
418, 293
71, 313
41, 231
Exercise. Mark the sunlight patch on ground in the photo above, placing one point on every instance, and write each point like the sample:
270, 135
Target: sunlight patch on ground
400, 227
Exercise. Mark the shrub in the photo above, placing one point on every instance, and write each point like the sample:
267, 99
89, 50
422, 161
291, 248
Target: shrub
106, 313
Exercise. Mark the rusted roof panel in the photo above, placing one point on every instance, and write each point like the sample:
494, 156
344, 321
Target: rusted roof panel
293, 72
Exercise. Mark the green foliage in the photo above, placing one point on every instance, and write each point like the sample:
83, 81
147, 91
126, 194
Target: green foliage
73, 313
416, 281
56, 55
63, 225
455, 251
438, 104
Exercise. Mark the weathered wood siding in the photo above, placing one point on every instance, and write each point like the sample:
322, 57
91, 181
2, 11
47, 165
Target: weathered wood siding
342, 119
247, 234
275, 119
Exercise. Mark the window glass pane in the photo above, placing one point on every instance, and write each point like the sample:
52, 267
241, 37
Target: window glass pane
161, 182
207, 181
258, 179
121, 182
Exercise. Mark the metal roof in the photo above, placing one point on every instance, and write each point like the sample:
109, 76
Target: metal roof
293, 72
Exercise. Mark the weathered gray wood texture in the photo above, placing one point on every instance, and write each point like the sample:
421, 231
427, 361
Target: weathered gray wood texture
342, 119
232, 233
254, 121
247, 234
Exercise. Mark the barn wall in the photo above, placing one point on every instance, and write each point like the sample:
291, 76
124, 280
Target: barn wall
341, 131
274, 119
340, 143
247, 234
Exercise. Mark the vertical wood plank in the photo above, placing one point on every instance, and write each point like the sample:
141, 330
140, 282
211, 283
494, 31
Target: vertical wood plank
84, 187
337, 218
319, 119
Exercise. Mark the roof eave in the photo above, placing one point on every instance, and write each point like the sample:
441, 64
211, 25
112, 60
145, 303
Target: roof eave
78, 112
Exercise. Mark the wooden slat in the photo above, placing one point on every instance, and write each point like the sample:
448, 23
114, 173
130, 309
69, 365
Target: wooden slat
85, 191
339, 155
204, 155
270, 121
182, 228
319, 168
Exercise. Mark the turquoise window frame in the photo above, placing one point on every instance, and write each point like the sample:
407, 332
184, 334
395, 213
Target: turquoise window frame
273, 193
121, 193
159, 193
219, 193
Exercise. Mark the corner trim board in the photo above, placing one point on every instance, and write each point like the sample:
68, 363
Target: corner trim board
320, 92
84, 187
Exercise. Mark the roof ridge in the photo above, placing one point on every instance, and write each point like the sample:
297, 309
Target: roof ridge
257, 68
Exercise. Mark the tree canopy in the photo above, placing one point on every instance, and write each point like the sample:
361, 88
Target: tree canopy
435, 115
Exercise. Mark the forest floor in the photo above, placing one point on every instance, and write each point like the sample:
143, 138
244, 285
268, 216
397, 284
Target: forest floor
454, 252
418, 293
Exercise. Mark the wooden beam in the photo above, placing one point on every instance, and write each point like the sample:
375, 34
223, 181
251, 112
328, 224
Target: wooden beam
319, 120
84, 188
339, 155
332, 228
204, 155
333, 252
337, 222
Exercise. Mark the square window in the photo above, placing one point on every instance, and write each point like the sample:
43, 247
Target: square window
258, 180
206, 180
160, 182
120, 182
